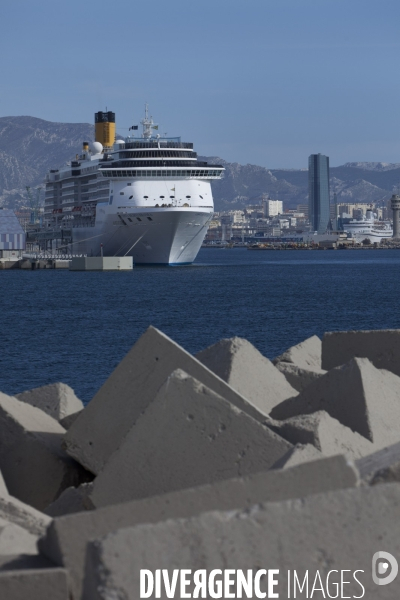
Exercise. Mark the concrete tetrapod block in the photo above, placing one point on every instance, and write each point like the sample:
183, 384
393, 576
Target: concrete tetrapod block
250, 373
326, 533
188, 435
67, 421
298, 455
358, 395
20, 527
3, 487
16, 540
325, 433
12, 562
72, 500
57, 400
306, 355
67, 537
382, 466
100, 428
381, 347
35, 584
34, 467
298, 378
301, 364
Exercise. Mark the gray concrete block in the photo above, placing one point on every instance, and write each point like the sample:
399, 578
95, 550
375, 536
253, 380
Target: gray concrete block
381, 347
325, 433
67, 537
298, 455
12, 562
35, 584
358, 395
321, 533
34, 467
100, 428
298, 378
382, 466
187, 436
250, 373
306, 355
72, 500
57, 400
20, 527
3, 487
25, 516
15, 539
67, 421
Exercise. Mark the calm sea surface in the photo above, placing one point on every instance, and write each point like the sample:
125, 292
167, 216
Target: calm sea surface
76, 327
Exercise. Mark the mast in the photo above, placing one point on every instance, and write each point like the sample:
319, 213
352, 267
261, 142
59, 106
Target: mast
148, 124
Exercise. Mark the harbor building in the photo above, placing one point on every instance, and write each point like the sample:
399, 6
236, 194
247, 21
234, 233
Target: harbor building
12, 236
272, 208
318, 192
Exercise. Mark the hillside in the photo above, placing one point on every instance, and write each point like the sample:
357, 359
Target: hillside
29, 147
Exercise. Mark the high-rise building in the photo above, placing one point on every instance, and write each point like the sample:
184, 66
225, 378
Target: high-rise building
272, 208
318, 192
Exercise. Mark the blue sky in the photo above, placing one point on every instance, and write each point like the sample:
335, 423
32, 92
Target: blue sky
266, 82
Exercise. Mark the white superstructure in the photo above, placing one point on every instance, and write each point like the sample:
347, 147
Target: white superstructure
148, 197
367, 228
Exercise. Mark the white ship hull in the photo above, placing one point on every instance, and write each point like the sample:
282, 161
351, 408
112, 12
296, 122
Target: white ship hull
374, 235
366, 228
171, 237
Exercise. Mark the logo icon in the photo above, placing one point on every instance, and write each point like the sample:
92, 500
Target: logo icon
384, 568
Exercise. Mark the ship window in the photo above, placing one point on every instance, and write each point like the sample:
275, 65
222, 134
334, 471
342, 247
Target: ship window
121, 193
130, 220
201, 197
149, 218
130, 197
162, 196
188, 196
145, 197
130, 183
138, 218
172, 196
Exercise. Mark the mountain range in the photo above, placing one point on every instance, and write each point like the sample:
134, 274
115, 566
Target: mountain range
29, 147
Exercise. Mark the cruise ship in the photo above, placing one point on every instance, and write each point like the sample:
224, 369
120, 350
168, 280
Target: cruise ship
367, 228
147, 197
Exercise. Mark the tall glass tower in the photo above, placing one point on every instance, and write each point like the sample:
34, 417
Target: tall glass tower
318, 192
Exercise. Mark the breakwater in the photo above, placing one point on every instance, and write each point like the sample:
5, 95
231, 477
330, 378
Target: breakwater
208, 462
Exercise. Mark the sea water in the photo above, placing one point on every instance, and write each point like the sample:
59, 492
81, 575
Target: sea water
75, 327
